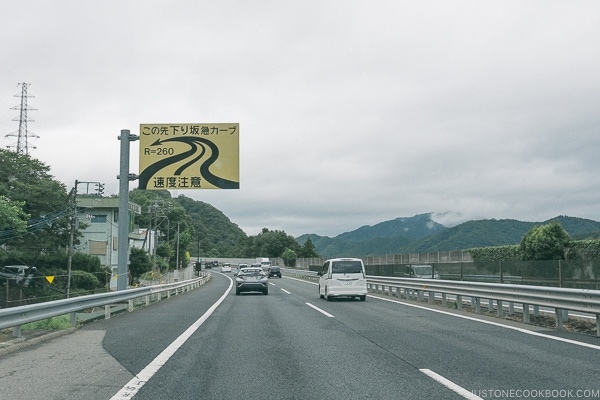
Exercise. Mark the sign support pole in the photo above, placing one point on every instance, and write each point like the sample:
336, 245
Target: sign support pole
123, 230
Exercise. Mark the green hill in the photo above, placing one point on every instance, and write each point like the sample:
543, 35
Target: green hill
419, 234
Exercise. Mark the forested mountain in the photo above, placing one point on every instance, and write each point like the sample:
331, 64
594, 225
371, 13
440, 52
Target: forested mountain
213, 233
212, 228
419, 234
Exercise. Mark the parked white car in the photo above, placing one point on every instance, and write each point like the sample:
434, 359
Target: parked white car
21, 274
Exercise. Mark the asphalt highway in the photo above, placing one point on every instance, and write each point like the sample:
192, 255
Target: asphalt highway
290, 344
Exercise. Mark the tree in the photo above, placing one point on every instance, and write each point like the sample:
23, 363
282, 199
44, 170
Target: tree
289, 257
12, 216
139, 263
27, 181
272, 244
545, 242
308, 249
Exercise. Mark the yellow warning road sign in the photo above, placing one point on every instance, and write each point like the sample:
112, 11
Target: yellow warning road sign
189, 156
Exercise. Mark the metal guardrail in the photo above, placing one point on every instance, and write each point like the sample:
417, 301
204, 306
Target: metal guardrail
560, 299
301, 273
16, 316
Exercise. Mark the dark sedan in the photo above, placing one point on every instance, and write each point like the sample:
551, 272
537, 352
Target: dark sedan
274, 270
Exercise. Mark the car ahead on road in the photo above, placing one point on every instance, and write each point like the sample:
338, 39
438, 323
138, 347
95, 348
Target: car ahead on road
211, 264
421, 272
226, 267
274, 270
343, 277
257, 265
251, 280
242, 265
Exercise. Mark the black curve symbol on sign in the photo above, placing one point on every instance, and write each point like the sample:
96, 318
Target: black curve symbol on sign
194, 142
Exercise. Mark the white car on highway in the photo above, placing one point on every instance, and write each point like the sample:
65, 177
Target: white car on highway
226, 268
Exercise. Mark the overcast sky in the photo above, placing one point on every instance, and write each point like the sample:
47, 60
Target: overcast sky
350, 112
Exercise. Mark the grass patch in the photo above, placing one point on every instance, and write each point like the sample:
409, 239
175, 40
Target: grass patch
50, 324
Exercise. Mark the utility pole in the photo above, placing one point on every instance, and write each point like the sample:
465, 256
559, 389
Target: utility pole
73, 229
177, 258
23, 135
74, 226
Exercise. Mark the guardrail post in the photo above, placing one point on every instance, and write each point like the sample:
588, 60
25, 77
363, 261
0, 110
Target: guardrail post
511, 308
107, 311
559, 318
598, 325
477, 305
147, 300
16, 331
536, 311
526, 318
490, 305
444, 300
500, 310
459, 302
130, 305
419, 296
73, 318
431, 297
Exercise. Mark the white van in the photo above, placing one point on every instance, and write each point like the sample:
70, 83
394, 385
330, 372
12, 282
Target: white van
421, 272
343, 277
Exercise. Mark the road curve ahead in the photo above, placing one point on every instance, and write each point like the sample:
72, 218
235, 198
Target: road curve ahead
290, 344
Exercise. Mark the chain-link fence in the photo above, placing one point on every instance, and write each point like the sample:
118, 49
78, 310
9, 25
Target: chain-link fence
459, 266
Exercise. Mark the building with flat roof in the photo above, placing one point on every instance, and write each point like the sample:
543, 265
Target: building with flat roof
101, 230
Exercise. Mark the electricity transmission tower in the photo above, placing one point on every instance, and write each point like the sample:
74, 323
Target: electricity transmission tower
23, 135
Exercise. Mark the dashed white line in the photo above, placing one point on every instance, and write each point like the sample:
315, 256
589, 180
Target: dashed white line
319, 310
450, 385
285, 291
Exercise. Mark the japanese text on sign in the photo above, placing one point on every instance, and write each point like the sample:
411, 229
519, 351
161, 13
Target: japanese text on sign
189, 156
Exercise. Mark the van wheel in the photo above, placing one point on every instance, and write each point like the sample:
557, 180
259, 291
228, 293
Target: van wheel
320, 295
363, 297
327, 297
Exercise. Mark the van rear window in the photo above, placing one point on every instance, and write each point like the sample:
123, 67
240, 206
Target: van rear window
346, 267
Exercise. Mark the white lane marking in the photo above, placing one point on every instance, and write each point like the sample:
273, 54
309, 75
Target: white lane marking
285, 291
136, 383
319, 310
450, 385
522, 330
559, 339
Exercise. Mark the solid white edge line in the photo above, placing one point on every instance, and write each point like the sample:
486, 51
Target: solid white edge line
522, 330
450, 385
138, 381
514, 328
319, 310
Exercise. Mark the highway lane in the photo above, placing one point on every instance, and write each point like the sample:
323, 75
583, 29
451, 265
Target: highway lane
293, 345
476, 355
275, 346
